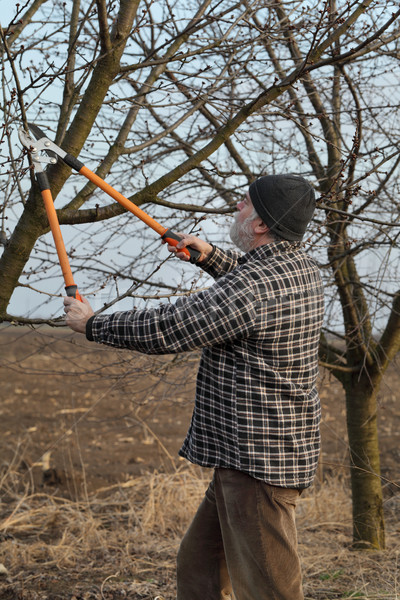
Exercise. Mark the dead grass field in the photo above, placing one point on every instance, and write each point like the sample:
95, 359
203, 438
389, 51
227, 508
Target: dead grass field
94, 500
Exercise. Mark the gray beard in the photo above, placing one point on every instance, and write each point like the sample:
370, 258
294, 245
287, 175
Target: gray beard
242, 234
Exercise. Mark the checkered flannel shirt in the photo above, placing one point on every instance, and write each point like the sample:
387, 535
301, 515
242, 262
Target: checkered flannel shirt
257, 408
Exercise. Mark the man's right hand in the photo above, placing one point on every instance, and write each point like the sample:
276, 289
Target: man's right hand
191, 240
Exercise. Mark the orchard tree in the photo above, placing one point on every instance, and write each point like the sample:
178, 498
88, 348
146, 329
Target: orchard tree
180, 105
341, 121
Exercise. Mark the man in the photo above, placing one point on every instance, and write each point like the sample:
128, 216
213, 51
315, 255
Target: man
256, 414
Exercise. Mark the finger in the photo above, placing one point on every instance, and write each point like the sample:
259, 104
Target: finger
71, 302
68, 300
179, 246
185, 241
182, 256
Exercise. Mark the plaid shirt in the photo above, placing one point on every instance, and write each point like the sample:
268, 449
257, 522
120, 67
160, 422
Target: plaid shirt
257, 409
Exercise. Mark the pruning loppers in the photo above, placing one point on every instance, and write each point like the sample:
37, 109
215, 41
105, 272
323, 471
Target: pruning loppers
36, 142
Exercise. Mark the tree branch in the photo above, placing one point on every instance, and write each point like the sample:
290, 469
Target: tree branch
389, 343
23, 21
361, 48
105, 39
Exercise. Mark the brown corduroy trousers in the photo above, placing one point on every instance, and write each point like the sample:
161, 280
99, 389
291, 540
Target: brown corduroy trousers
242, 543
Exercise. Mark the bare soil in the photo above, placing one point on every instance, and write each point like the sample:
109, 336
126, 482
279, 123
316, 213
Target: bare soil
80, 422
85, 417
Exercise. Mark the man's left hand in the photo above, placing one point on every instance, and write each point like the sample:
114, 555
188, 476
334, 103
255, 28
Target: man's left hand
77, 313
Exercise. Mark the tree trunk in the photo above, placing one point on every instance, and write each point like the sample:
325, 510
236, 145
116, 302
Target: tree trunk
368, 521
31, 225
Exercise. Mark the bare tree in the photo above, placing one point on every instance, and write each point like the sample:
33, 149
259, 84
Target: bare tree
340, 123
180, 105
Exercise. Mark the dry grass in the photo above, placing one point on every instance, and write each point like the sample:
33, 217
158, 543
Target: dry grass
332, 569
122, 541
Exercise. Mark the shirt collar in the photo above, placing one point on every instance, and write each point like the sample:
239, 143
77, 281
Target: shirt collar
271, 249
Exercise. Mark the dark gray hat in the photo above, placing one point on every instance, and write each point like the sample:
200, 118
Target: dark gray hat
285, 203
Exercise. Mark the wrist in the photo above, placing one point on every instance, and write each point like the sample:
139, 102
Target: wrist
207, 254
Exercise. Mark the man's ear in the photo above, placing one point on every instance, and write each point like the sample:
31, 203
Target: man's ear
260, 227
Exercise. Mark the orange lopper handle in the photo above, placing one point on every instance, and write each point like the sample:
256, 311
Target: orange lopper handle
166, 234
138, 212
70, 286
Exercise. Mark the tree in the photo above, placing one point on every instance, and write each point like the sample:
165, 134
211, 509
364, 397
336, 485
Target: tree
359, 220
170, 100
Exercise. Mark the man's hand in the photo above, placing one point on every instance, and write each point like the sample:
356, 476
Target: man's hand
191, 240
77, 313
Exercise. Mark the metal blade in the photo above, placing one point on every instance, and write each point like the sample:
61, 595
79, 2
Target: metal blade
25, 138
39, 134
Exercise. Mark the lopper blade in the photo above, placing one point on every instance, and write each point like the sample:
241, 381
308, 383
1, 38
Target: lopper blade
39, 134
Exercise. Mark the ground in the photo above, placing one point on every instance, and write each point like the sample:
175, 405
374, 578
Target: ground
81, 423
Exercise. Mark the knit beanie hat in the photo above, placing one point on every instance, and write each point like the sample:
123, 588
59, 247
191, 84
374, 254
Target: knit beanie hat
285, 203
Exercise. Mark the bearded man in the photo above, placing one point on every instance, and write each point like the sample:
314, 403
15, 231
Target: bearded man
256, 414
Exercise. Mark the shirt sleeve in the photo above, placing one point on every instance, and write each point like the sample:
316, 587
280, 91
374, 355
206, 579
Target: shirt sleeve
220, 262
224, 312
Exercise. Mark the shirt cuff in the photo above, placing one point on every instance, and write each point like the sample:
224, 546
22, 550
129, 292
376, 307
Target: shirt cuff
89, 333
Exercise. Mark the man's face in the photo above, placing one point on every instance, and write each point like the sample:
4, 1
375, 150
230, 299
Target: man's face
242, 232
245, 208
